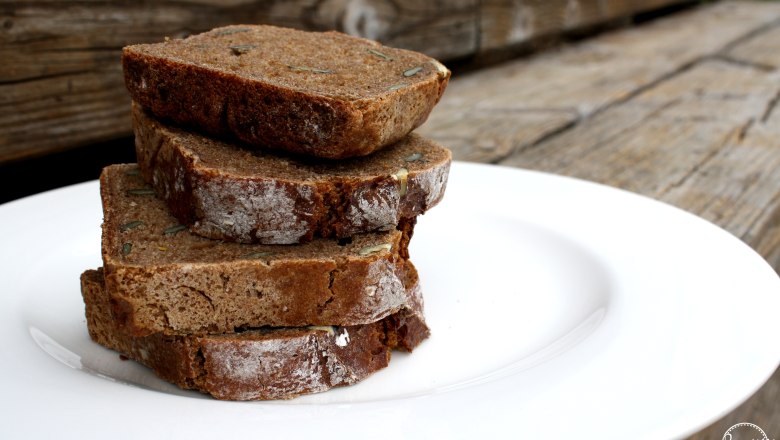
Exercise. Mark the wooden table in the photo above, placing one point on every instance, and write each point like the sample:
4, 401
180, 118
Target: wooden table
61, 83
683, 109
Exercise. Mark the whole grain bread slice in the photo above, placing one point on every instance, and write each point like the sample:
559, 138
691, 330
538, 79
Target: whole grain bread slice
226, 192
320, 94
162, 278
259, 364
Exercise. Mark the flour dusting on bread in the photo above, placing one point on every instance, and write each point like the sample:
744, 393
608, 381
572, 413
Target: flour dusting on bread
384, 287
373, 208
236, 208
227, 193
291, 364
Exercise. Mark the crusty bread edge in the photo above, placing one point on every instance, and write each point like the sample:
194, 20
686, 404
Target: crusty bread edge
332, 207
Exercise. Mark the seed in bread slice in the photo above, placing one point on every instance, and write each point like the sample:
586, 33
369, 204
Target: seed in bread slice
259, 364
162, 278
226, 192
320, 94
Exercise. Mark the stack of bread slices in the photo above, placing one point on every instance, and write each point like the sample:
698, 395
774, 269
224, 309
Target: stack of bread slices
258, 249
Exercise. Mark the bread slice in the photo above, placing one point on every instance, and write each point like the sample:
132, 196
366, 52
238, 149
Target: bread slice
325, 94
226, 192
259, 364
162, 278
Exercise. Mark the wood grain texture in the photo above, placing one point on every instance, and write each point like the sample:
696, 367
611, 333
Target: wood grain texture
556, 89
61, 87
694, 125
761, 51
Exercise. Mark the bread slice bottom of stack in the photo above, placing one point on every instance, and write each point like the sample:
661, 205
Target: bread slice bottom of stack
279, 266
251, 320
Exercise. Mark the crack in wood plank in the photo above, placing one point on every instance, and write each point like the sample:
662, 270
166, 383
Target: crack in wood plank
543, 138
617, 102
770, 107
744, 63
763, 223
767, 27
737, 134
742, 130
760, 50
556, 138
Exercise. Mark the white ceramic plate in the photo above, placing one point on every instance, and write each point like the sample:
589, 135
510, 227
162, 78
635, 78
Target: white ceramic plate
559, 309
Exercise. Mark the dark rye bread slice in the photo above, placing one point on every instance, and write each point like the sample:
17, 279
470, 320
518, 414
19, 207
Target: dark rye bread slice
226, 192
319, 94
259, 364
162, 278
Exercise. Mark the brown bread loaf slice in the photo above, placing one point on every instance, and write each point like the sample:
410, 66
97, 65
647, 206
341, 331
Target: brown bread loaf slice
162, 278
319, 94
226, 192
259, 364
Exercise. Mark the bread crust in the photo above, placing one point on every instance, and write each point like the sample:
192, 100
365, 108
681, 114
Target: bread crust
327, 94
162, 278
259, 364
225, 192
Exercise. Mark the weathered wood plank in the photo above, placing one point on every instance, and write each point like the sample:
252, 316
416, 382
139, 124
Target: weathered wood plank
669, 143
47, 45
442, 29
91, 101
512, 22
553, 90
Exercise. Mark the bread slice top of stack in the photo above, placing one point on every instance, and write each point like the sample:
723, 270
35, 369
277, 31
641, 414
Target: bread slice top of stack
262, 363
326, 95
227, 192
